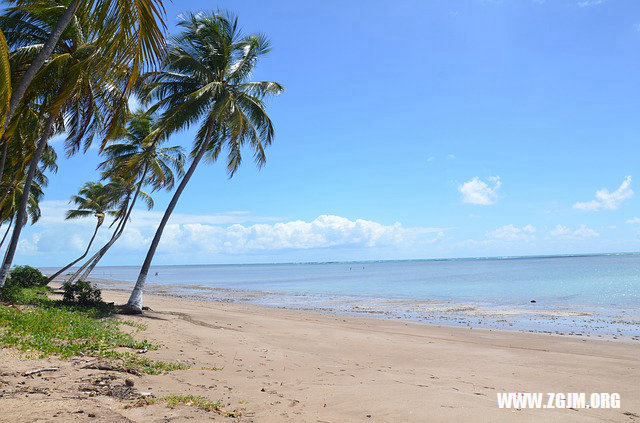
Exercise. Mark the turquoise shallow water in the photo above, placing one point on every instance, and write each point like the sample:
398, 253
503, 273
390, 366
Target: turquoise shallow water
580, 294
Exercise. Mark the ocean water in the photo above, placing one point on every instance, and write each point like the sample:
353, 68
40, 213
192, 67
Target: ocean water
597, 295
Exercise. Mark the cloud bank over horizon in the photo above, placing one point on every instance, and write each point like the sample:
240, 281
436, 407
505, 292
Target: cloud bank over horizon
230, 233
242, 237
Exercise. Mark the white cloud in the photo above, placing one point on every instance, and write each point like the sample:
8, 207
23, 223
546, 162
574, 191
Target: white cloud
559, 230
476, 191
584, 232
606, 200
53, 213
224, 233
581, 232
513, 233
633, 220
589, 3
636, 27
323, 232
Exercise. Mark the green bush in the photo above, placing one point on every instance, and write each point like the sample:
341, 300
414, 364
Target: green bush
81, 293
11, 293
14, 294
26, 277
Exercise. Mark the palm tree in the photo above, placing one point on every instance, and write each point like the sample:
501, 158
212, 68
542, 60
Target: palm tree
93, 199
135, 162
128, 193
19, 146
139, 156
17, 141
132, 32
80, 86
205, 80
10, 203
12, 185
11, 196
121, 191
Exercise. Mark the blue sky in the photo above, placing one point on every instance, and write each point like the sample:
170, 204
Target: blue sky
409, 129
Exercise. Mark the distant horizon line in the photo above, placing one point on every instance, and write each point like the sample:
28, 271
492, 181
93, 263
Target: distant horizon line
523, 257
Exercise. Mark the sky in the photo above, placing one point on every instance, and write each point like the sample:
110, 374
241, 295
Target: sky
409, 129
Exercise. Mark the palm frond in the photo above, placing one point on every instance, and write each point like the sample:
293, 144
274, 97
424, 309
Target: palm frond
5, 81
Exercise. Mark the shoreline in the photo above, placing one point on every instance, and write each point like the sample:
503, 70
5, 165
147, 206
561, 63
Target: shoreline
281, 365
578, 321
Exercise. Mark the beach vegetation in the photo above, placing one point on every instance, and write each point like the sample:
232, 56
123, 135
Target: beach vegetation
193, 400
139, 327
152, 367
15, 294
26, 277
212, 368
81, 292
174, 400
39, 326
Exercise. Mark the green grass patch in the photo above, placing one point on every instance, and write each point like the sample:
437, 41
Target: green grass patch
194, 401
216, 369
14, 294
39, 326
152, 367
138, 326
63, 331
175, 400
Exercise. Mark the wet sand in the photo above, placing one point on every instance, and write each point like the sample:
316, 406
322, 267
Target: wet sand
536, 317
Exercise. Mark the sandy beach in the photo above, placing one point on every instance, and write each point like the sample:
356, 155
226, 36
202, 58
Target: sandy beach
274, 365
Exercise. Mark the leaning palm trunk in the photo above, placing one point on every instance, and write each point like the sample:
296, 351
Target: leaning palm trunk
95, 259
37, 63
93, 262
59, 272
98, 256
114, 237
76, 275
7, 232
21, 215
134, 305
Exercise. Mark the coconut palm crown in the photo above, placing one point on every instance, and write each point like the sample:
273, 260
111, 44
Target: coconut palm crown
136, 155
206, 79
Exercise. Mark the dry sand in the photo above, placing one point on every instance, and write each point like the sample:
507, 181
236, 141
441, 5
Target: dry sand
273, 365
